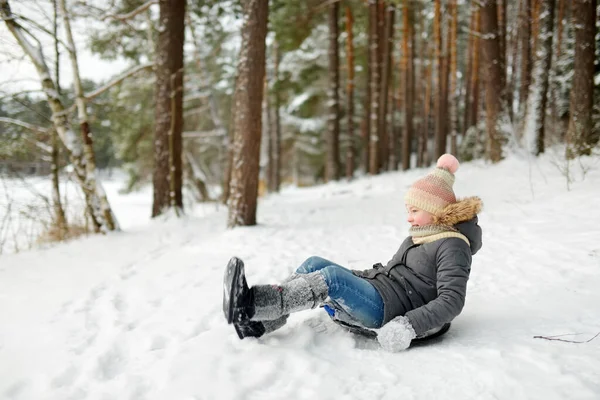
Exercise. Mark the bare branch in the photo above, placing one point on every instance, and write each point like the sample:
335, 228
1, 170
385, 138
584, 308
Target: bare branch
23, 124
41, 28
131, 14
119, 79
564, 340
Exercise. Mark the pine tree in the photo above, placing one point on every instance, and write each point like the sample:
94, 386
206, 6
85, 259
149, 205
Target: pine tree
167, 175
580, 137
247, 121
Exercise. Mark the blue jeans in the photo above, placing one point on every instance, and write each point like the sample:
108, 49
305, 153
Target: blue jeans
357, 296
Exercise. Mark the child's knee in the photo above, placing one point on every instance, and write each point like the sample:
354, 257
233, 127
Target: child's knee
311, 264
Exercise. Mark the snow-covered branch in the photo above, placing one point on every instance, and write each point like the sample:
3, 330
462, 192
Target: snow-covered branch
23, 124
131, 14
204, 134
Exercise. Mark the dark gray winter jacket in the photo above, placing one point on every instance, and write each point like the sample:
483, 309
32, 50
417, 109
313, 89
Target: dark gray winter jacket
427, 283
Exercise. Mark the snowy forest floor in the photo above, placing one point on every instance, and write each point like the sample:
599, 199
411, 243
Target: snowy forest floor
137, 314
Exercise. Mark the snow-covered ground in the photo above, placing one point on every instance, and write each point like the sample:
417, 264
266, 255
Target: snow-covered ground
137, 314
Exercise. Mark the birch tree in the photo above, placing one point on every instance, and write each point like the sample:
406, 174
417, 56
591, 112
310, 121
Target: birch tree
80, 149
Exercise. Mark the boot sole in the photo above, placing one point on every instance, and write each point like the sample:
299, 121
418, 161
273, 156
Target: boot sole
231, 285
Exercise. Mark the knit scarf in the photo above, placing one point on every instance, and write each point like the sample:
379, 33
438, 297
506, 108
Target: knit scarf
431, 233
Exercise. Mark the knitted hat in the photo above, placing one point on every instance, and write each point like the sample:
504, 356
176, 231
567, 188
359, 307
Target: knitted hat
433, 193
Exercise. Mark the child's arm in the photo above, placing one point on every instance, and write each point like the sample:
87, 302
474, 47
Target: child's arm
454, 265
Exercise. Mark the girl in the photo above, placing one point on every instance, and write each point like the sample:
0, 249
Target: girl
420, 290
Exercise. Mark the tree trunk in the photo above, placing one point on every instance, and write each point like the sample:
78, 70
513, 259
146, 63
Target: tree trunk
276, 139
366, 121
267, 134
168, 108
452, 92
580, 137
440, 128
423, 90
537, 98
247, 123
386, 72
374, 85
423, 147
472, 97
502, 22
350, 153
60, 220
332, 163
526, 56
409, 84
102, 216
496, 108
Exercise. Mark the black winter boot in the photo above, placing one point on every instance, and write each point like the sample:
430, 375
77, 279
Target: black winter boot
238, 299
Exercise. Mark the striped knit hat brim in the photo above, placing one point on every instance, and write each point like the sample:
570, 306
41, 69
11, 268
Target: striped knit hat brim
433, 192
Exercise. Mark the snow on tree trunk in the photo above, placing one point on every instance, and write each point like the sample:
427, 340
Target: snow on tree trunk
276, 132
580, 137
168, 116
96, 201
332, 162
526, 57
247, 121
496, 109
538, 90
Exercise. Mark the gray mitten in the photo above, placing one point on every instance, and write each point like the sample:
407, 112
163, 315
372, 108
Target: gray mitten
396, 335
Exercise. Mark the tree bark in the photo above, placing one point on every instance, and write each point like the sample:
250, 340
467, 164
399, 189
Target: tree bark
440, 128
386, 73
538, 90
452, 92
580, 136
526, 55
60, 219
374, 85
276, 132
408, 84
472, 97
247, 123
366, 121
332, 163
496, 108
168, 117
350, 153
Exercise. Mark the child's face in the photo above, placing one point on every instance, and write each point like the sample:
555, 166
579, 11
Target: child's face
418, 217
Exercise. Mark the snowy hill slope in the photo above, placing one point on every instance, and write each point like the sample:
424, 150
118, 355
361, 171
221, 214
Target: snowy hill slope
137, 314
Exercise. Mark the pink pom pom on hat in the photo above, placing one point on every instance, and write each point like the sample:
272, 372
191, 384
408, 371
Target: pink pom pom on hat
434, 192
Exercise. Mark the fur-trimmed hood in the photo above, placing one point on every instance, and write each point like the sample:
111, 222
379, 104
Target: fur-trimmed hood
462, 216
463, 210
